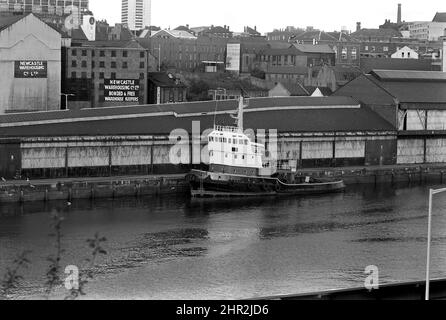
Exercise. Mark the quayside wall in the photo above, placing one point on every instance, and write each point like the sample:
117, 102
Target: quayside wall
69, 189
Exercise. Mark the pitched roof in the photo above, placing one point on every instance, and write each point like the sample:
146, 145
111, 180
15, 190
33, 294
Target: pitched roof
376, 33
6, 22
405, 75
324, 90
179, 34
318, 48
440, 17
313, 34
369, 64
383, 87
290, 114
162, 79
294, 89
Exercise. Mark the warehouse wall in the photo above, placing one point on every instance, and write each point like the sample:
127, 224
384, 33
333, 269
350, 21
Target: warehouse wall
30, 39
418, 151
98, 156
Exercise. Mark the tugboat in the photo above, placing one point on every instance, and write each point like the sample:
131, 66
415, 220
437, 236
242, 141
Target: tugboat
237, 169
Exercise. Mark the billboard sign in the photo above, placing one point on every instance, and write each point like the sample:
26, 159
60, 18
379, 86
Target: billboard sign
30, 69
120, 90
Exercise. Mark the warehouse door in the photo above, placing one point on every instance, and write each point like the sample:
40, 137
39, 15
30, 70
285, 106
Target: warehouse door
10, 160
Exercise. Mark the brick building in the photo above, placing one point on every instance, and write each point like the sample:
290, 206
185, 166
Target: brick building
165, 88
89, 65
178, 53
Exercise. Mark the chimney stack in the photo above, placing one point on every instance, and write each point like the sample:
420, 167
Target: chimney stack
358, 26
399, 19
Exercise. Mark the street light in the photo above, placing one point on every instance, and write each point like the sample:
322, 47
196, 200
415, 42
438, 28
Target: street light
432, 192
66, 98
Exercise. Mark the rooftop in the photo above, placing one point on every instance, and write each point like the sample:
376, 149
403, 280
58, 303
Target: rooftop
289, 114
318, 48
440, 17
369, 64
162, 79
8, 21
409, 75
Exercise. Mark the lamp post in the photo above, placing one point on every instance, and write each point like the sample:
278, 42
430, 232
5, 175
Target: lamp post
66, 98
432, 192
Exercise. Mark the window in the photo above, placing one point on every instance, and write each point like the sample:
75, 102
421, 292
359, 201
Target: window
93, 65
113, 54
113, 64
142, 65
93, 53
101, 75
142, 54
102, 53
344, 54
354, 54
125, 65
74, 63
84, 64
113, 75
125, 54
101, 64
92, 75
73, 75
141, 76
84, 53
84, 75
74, 52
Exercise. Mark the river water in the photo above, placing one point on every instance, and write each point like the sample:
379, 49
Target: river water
173, 247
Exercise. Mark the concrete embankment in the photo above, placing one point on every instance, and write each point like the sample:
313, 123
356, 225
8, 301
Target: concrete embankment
135, 186
90, 188
430, 173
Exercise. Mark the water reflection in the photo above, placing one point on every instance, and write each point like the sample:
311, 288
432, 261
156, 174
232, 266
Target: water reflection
233, 248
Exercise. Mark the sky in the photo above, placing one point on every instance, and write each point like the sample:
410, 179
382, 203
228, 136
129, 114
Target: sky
328, 15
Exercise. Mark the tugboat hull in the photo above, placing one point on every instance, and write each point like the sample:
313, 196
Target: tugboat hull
211, 184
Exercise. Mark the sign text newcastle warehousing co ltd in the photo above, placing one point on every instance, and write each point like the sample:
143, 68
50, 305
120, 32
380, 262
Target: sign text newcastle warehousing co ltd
121, 90
30, 69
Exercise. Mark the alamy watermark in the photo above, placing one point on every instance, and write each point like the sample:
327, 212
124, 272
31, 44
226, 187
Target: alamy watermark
372, 280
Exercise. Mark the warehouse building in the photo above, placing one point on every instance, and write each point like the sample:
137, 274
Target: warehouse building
30, 65
312, 132
415, 103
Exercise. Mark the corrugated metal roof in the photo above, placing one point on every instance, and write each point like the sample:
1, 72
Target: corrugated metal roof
207, 107
417, 92
409, 75
353, 119
370, 64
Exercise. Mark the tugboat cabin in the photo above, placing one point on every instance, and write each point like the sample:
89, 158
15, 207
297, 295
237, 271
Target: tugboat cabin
232, 152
